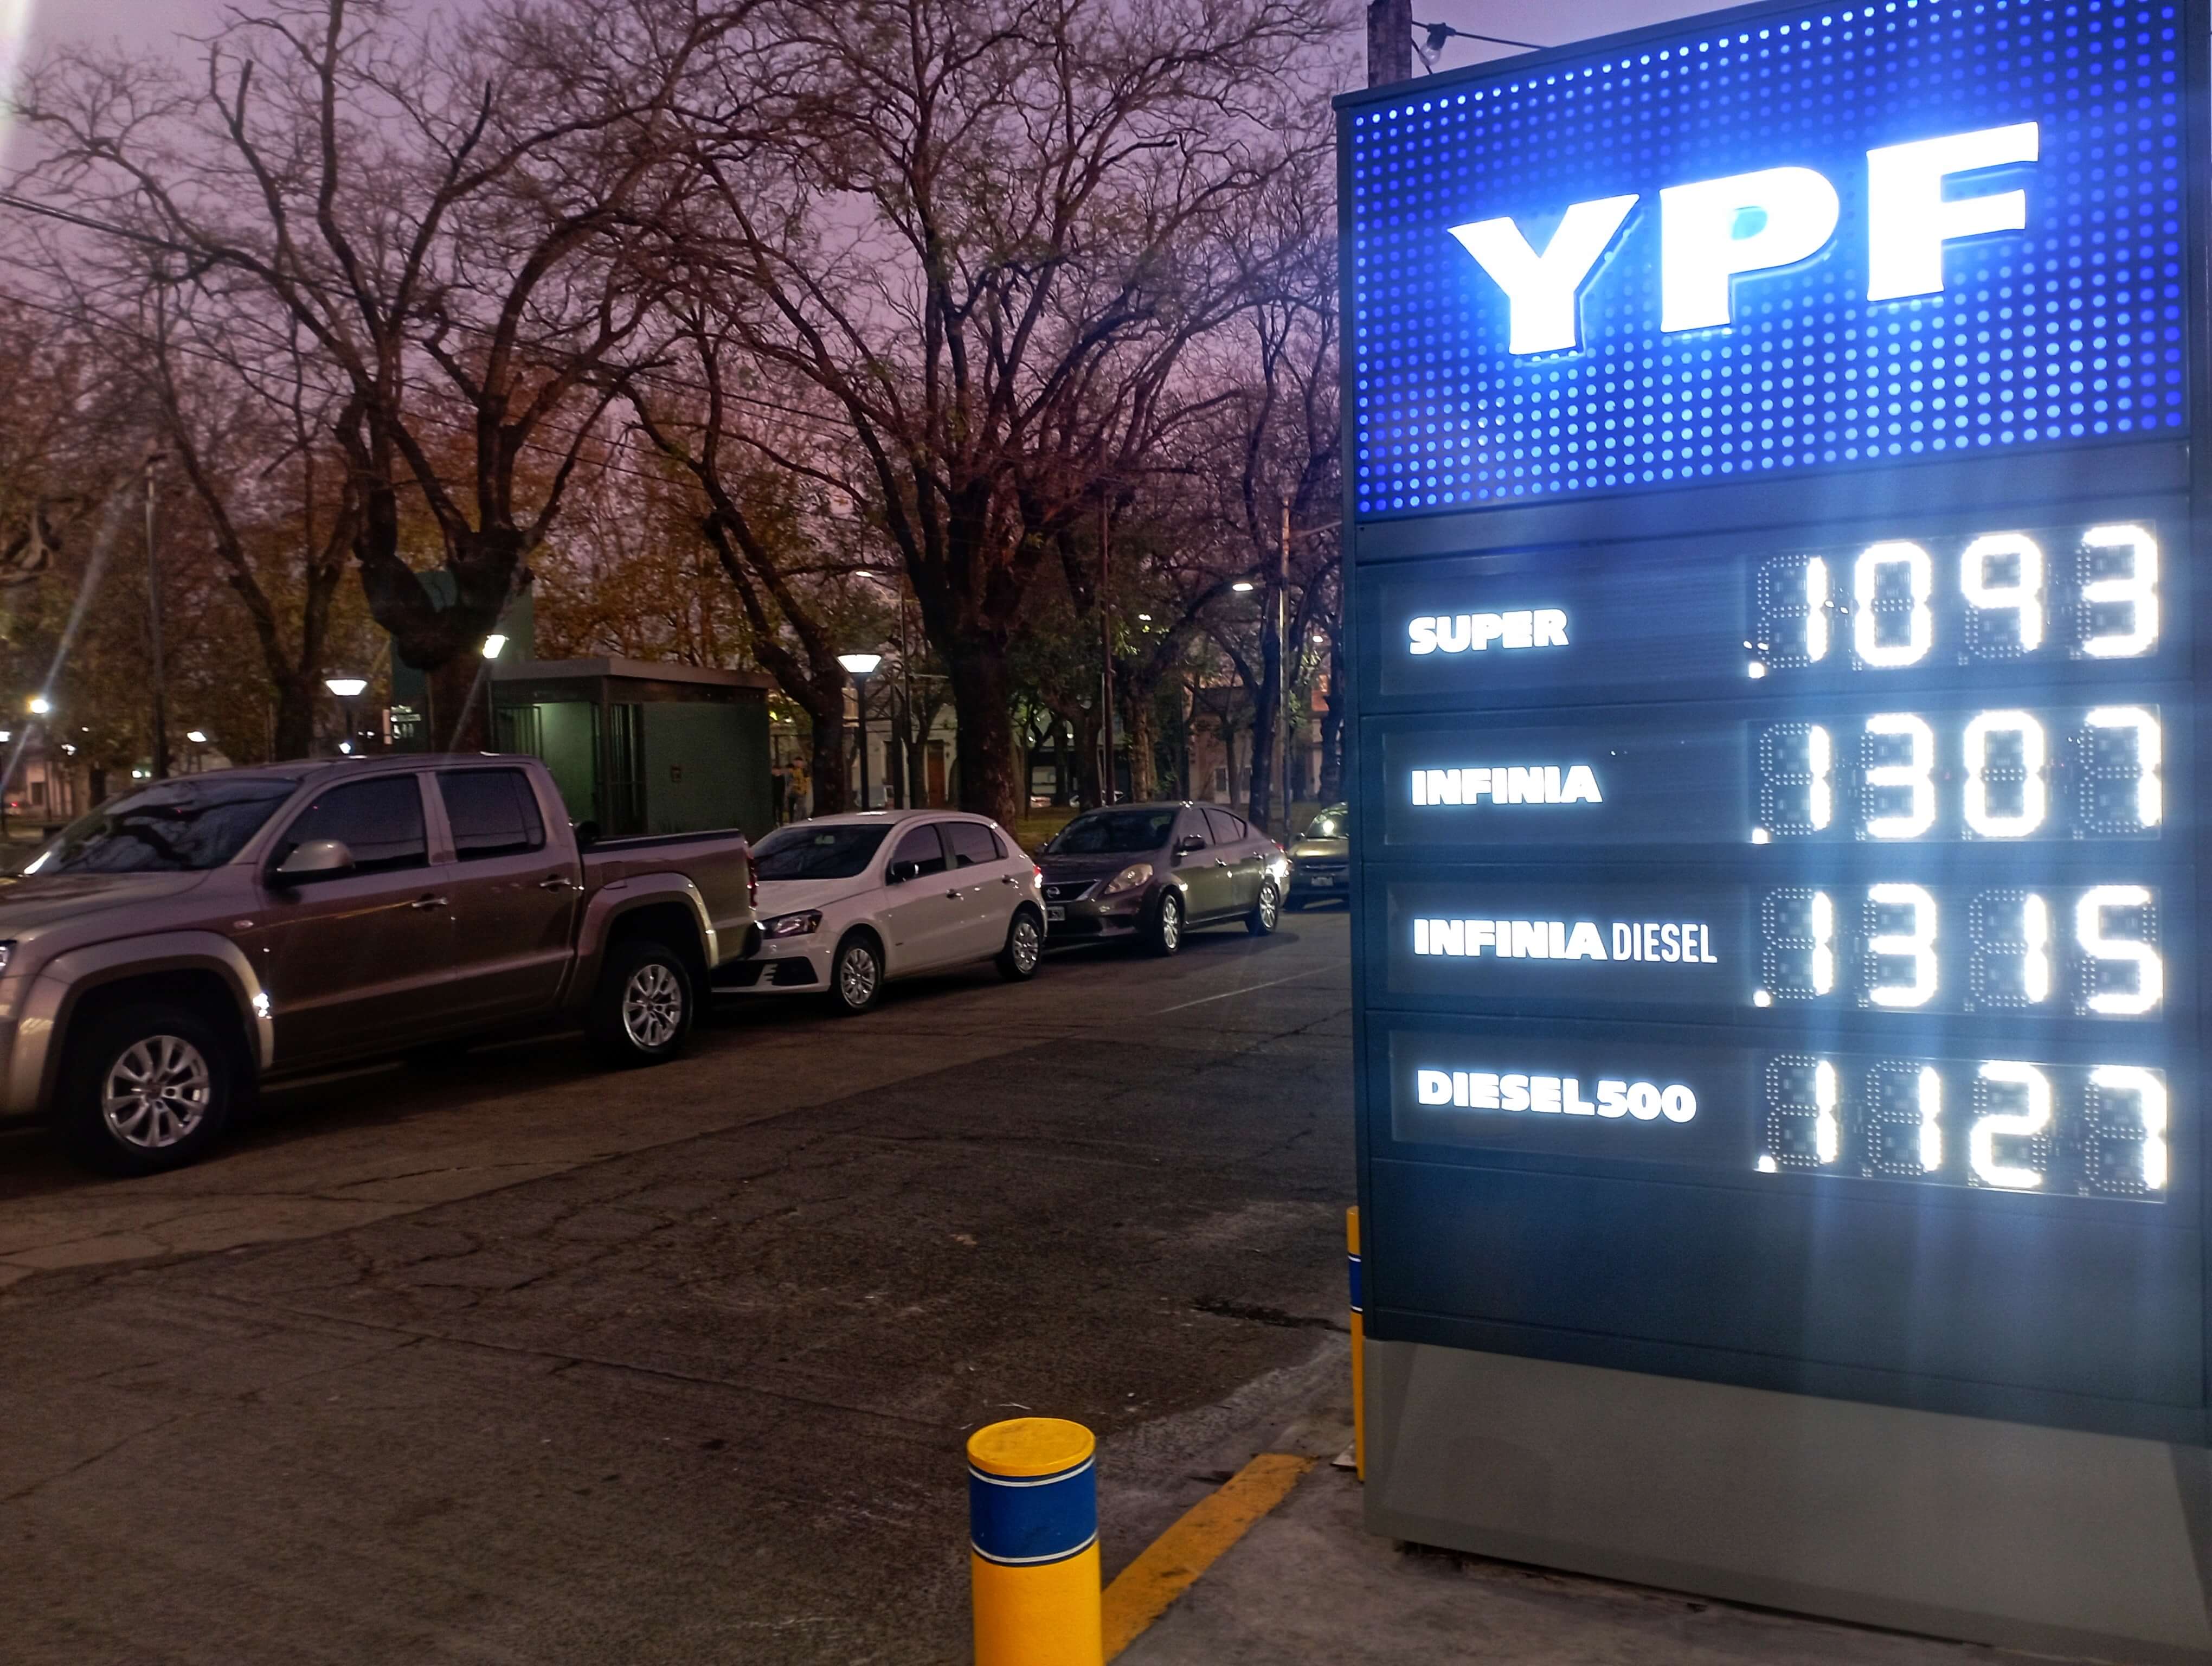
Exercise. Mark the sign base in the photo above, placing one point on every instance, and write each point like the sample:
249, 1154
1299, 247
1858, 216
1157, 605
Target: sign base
1957, 1527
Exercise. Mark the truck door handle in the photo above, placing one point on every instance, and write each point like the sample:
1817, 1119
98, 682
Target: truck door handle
556, 883
427, 903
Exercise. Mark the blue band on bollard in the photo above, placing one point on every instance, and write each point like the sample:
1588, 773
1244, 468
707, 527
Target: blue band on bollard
1354, 1260
1020, 1521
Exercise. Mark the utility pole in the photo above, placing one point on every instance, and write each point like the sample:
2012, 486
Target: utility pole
1389, 41
1105, 658
153, 630
1280, 624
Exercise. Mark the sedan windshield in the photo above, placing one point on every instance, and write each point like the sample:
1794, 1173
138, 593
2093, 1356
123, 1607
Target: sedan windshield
1113, 833
1330, 824
805, 852
172, 827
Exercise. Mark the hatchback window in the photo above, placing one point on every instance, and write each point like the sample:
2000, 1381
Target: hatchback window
379, 821
1113, 833
806, 851
171, 827
1227, 830
921, 847
971, 844
493, 812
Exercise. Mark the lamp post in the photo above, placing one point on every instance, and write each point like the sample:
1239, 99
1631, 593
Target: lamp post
494, 646
153, 630
348, 690
861, 667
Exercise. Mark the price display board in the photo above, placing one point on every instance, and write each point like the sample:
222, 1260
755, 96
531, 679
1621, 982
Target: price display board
1776, 593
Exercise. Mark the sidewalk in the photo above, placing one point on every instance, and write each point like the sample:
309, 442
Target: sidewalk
1310, 1583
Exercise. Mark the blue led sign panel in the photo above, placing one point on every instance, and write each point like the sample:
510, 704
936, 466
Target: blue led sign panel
1838, 236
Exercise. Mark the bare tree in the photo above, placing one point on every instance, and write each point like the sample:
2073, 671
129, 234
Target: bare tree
445, 217
985, 232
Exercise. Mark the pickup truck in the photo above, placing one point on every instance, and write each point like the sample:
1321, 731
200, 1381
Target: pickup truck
165, 954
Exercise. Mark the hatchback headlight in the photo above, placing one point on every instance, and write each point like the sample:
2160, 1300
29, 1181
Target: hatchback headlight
1134, 876
793, 925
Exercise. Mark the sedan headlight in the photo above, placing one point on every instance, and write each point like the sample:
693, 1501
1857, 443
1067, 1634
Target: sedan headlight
1134, 876
793, 925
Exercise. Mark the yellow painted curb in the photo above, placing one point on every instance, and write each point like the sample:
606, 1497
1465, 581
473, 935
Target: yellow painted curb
1171, 1564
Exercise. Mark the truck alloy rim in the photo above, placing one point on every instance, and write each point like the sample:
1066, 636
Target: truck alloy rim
1025, 942
157, 1092
652, 1006
856, 976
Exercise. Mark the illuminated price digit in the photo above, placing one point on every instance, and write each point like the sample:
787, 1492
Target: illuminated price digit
1915, 945
2004, 571
2102, 953
1816, 610
2010, 967
1905, 1118
1798, 958
2021, 737
1803, 1130
2133, 722
2127, 1154
1914, 776
2025, 1115
1798, 790
1871, 609
2109, 597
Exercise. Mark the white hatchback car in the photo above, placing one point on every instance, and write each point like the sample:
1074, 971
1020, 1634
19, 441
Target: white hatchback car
848, 903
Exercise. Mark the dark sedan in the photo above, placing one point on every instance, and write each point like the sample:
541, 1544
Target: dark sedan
1321, 860
1153, 871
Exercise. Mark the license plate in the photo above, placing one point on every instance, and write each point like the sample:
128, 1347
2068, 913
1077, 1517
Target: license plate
1053, 911
1322, 881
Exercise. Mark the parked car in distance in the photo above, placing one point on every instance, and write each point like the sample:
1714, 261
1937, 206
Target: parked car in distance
1154, 871
1321, 859
183, 942
850, 903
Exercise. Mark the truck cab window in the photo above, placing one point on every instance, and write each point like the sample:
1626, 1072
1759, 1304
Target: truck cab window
380, 820
492, 812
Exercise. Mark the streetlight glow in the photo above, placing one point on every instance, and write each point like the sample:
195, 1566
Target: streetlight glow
40, 705
861, 664
1241, 586
346, 688
198, 737
495, 645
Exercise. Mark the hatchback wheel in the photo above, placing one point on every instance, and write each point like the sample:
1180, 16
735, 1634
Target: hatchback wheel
1163, 931
1017, 961
1266, 911
856, 974
146, 1088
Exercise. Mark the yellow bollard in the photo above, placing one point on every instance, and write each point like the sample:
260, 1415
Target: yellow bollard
1033, 1543
1358, 1347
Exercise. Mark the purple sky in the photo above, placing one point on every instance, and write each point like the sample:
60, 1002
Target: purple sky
146, 22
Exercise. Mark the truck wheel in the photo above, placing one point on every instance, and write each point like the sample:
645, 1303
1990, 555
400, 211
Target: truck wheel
145, 1089
643, 1007
1164, 927
856, 974
1266, 912
1017, 961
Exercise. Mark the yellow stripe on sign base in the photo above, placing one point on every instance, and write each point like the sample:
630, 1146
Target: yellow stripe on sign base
1171, 1564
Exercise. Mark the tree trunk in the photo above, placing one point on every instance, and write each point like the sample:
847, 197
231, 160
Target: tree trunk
983, 699
827, 764
1144, 766
1332, 731
457, 707
295, 734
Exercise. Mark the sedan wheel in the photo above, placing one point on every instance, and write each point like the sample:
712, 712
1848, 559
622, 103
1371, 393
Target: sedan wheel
1164, 933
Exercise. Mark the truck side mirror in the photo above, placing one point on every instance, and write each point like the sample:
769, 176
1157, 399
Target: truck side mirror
587, 835
316, 859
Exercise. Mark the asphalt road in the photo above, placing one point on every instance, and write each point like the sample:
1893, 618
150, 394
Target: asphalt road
512, 1361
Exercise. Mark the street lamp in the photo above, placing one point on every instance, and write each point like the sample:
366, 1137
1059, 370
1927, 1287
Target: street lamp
861, 667
40, 705
348, 690
1243, 586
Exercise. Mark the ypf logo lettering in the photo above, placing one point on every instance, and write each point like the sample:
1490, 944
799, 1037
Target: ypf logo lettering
1715, 231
